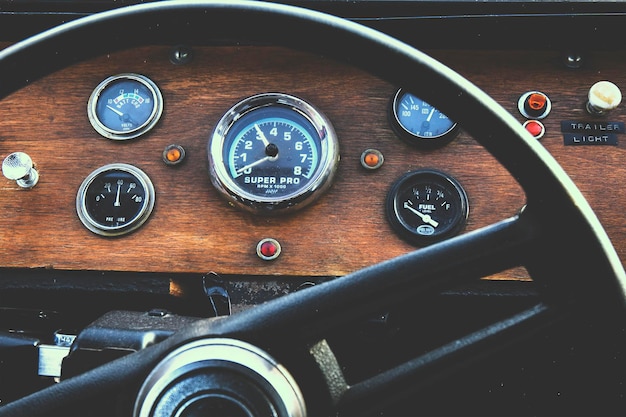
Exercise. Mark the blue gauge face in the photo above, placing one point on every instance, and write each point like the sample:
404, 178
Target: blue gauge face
420, 123
272, 152
125, 106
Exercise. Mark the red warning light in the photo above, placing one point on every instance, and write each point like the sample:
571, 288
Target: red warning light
535, 128
268, 249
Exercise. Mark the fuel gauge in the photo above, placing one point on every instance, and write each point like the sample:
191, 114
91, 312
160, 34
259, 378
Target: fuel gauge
426, 206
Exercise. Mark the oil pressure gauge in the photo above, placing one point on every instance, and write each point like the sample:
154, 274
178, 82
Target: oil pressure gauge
115, 199
125, 106
426, 206
272, 152
419, 123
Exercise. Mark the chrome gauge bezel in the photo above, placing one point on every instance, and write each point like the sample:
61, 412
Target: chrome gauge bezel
320, 180
147, 205
114, 134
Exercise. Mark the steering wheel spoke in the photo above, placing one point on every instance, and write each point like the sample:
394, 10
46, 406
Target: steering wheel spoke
440, 363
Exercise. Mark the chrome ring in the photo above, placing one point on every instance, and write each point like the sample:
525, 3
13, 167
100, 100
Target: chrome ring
321, 179
140, 218
150, 122
211, 354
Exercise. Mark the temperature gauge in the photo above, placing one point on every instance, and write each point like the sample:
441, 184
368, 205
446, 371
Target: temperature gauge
419, 123
115, 199
125, 106
426, 206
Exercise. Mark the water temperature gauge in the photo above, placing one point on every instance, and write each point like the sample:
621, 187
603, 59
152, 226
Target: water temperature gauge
426, 206
418, 123
115, 199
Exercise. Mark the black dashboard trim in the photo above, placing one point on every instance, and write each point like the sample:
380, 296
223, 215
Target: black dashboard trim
562, 25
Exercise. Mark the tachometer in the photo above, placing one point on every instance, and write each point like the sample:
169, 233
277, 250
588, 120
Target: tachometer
271, 152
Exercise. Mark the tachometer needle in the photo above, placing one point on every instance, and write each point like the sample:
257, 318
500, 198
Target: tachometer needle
252, 165
425, 217
116, 111
261, 135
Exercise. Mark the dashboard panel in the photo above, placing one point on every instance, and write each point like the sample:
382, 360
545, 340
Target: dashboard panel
194, 230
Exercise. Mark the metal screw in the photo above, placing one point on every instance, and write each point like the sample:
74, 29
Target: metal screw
573, 60
181, 55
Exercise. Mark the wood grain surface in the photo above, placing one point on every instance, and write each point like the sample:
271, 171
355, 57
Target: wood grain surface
192, 229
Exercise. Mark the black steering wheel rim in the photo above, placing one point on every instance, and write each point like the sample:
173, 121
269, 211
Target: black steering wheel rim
555, 206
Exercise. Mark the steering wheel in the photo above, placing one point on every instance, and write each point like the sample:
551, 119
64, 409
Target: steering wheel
272, 359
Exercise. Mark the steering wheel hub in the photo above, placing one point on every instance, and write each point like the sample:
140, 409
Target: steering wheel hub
219, 377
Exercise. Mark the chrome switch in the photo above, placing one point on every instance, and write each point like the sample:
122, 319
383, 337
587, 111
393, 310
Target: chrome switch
18, 167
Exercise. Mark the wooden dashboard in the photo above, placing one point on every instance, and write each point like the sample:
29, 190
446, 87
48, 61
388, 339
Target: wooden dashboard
194, 230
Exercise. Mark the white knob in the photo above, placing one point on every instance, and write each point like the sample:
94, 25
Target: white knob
18, 167
603, 96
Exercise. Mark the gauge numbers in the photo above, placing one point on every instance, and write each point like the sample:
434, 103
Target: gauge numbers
272, 152
419, 123
254, 153
125, 106
115, 199
425, 206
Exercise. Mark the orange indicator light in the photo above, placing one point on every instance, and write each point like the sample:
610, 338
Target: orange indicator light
534, 105
537, 101
173, 154
372, 159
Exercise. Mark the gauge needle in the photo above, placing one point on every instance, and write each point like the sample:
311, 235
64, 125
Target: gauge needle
261, 135
425, 217
116, 111
255, 163
430, 115
117, 197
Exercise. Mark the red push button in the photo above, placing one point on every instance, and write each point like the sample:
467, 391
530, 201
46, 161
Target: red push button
268, 249
535, 128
